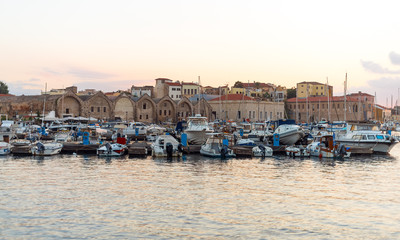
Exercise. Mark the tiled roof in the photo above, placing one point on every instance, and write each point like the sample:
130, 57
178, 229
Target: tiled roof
173, 84
232, 97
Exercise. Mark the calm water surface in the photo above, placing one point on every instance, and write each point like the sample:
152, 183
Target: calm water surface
86, 197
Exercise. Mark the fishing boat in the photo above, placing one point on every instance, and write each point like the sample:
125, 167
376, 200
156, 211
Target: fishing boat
262, 151
197, 129
112, 150
214, 147
5, 148
325, 147
46, 148
297, 151
166, 146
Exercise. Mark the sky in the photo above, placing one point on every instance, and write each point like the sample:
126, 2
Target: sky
112, 45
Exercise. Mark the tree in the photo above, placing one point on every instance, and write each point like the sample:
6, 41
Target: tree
291, 93
3, 88
238, 84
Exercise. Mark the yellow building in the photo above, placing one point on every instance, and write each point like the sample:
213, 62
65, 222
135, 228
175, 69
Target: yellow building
190, 89
235, 90
313, 89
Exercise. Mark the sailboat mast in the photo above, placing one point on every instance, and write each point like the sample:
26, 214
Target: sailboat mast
44, 103
329, 103
345, 97
198, 87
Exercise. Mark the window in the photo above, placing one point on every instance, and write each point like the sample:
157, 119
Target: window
140, 117
147, 116
172, 96
98, 109
178, 89
184, 91
67, 110
105, 109
317, 87
92, 109
177, 96
371, 137
379, 137
195, 91
191, 91
249, 114
165, 112
173, 89
144, 105
160, 112
169, 112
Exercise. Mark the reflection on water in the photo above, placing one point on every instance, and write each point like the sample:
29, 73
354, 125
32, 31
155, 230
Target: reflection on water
83, 196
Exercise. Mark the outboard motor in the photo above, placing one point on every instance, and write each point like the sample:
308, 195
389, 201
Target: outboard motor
224, 151
108, 147
341, 150
40, 147
262, 149
169, 148
180, 147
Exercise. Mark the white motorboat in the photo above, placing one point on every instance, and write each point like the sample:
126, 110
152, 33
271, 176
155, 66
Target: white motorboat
5, 148
259, 132
46, 148
325, 147
135, 127
214, 147
112, 149
297, 151
166, 146
197, 129
262, 151
367, 136
289, 134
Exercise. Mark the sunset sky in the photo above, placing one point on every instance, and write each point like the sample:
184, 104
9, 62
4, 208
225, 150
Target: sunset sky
112, 45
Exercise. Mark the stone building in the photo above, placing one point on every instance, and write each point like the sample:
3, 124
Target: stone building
238, 107
358, 107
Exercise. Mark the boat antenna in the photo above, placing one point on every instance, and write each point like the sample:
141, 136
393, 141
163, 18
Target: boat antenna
44, 103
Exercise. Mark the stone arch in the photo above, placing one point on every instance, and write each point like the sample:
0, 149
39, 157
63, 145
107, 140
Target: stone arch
146, 109
204, 108
166, 110
99, 106
124, 107
184, 108
69, 104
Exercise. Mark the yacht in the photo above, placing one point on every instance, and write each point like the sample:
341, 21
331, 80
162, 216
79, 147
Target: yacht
197, 129
367, 135
214, 147
289, 134
166, 146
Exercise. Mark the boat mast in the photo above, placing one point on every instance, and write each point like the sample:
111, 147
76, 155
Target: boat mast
345, 97
329, 103
44, 103
199, 102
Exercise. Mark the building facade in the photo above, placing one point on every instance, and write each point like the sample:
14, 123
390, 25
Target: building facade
313, 89
357, 107
237, 107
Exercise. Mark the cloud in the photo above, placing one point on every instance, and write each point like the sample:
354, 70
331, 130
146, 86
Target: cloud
88, 74
394, 58
28, 87
376, 68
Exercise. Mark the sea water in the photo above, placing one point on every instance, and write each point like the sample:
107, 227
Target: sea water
86, 197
